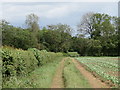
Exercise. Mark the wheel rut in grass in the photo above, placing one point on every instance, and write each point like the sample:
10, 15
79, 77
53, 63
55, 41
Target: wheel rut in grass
93, 81
58, 81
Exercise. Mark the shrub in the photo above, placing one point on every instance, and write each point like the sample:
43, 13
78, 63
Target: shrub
17, 62
43, 56
71, 54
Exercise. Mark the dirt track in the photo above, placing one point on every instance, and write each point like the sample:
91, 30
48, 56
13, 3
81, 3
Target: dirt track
58, 81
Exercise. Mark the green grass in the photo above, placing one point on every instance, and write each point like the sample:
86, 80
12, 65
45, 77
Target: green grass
40, 78
73, 78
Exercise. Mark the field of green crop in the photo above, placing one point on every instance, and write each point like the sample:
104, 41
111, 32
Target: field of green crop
105, 67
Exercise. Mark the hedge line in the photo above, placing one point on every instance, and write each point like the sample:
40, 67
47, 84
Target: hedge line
71, 54
43, 56
17, 62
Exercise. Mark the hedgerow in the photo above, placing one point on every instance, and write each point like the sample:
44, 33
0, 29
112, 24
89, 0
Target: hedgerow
71, 54
43, 56
17, 62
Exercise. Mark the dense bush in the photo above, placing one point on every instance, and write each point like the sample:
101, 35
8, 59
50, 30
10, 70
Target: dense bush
17, 62
43, 56
73, 54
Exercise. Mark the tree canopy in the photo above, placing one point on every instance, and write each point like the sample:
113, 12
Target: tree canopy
98, 35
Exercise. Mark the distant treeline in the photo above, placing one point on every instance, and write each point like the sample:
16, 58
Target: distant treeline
98, 35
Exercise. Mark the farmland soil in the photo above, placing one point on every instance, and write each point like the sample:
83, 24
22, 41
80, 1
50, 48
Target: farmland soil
94, 82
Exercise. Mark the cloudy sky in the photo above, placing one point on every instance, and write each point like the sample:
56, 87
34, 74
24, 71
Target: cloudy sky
55, 12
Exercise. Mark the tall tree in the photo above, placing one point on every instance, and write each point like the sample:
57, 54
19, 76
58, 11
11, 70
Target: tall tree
95, 25
32, 21
61, 28
102, 25
79, 45
56, 41
85, 27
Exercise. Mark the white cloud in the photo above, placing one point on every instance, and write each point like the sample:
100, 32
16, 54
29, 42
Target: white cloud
44, 11
52, 13
59, 11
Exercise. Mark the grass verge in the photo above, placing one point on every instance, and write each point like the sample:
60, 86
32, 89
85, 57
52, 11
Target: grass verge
73, 78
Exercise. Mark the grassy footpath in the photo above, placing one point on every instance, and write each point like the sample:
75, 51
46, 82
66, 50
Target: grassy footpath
73, 78
40, 78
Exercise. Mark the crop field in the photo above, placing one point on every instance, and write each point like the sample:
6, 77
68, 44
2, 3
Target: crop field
105, 67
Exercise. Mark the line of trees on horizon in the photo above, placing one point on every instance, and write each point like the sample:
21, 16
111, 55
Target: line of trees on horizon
98, 35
